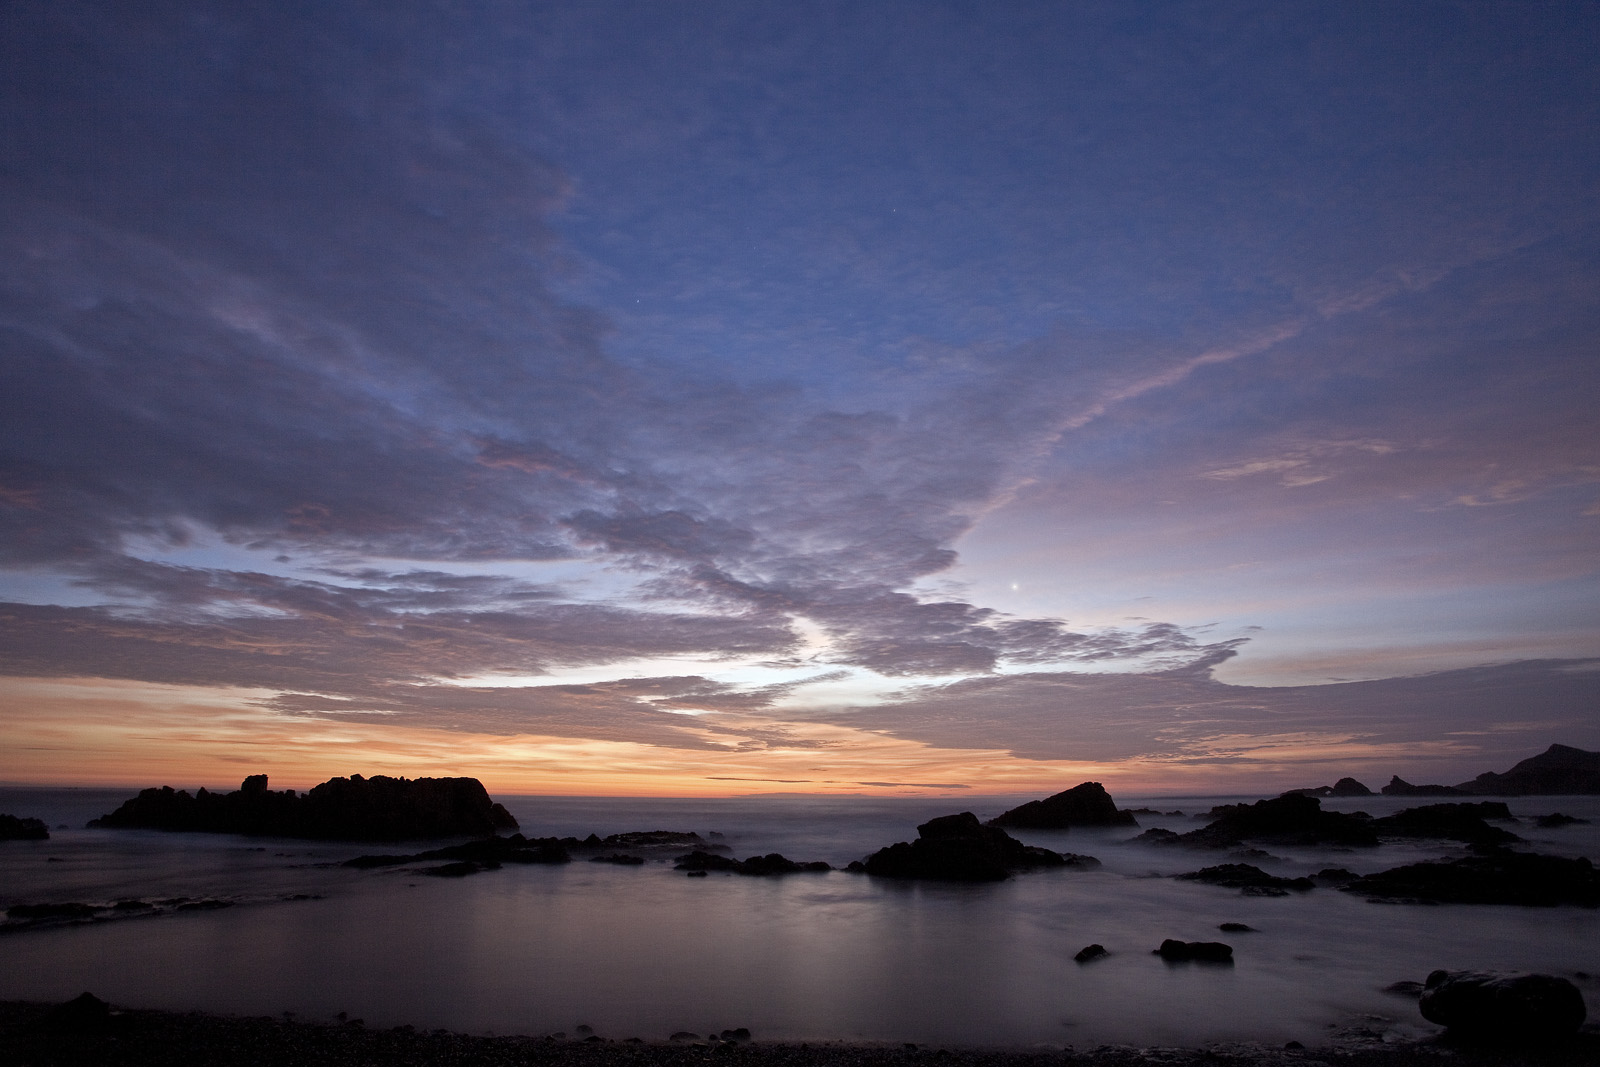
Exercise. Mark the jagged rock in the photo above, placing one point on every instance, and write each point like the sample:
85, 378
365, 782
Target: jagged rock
1158, 835
1399, 787
1083, 805
1291, 819
1501, 877
1451, 822
1557, 771
379, 808
1244, 876
1090, 952
15, 828
1526, 1007
961, 849
1556, 820
1175, 951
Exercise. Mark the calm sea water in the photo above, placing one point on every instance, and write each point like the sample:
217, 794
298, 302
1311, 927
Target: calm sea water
645, 952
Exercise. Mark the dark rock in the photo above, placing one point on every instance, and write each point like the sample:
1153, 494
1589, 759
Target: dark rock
1502, 877
1158, 835
1334, 876
85, 1013
1090, 952
1083, 805
1237, 928
1450, 822
1291, 819
486, 854
684, 1035
379, 808
958, 848
699, 874
459, 869
775, 863
1526, 1007
1399, 787
1557, 771
621, 859
1175, 951
1349, 787
740, 1033
1408, 989
1244, 876
14, 828
1292, 1046
1556, 820
706, 861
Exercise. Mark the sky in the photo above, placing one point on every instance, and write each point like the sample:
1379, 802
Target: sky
683, 398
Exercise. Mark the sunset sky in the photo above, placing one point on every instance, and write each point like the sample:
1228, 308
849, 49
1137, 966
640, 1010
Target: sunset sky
707, 398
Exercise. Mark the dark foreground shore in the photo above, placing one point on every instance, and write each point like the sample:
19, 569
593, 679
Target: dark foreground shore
38, 1034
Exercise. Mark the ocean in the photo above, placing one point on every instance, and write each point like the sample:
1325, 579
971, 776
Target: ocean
646, 952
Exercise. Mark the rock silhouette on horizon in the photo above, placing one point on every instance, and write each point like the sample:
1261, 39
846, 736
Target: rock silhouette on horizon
1083, 805
1559, 770
16, 828
379, 808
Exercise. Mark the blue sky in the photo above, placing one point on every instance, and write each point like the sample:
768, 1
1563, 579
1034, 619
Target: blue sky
757, 382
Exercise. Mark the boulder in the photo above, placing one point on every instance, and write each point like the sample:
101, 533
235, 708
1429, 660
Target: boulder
1244, 876
1524, 1007
959, 848
14, 828
1291, 819
1558, 770
1083, 805
1463, 822
379, 808
1090, 952
1500, 877
1399, 787
1174, 951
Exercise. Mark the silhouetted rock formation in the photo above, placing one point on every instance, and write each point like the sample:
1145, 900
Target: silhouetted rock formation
1292, 819
771, 863
1558, 770
483, 855
958, 848
1174, 951
1502, 877
379, 808
1090, 952
1344, 787
1522, 1007
1247, 878
1399, 787
1450, 822
1083, 805
13, 828
1555, 820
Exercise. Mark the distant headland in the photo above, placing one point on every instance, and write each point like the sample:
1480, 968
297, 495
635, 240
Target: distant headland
379, 808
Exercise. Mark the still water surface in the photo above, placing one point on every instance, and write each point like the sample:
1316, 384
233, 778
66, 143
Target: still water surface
644, 951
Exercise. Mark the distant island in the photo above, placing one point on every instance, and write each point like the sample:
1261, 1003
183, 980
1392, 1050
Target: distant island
1559, 770
379, 808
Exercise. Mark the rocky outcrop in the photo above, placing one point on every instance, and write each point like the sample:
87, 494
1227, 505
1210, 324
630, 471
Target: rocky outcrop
1555, 820
1175, 951
958, 848
1501, 877
1521, 1007
1463, 822
483, 855
13, 828
1253, 881
1089, 953
756, 866
1399, 787
1292, 819
379, 808
1558, 770
1344, 787
1083, 805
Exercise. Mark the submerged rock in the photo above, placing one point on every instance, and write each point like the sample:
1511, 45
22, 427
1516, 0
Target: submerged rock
1244, 876
959, 848
379, 808
1525, 1007
1175, 951
1083, 805
1502, 877
14, 828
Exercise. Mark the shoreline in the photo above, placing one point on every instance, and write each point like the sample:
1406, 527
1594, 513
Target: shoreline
33, 1033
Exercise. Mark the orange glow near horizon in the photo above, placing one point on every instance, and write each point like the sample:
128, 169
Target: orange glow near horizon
94, 732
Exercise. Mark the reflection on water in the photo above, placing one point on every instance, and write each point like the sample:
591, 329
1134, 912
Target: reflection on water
646, 952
